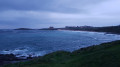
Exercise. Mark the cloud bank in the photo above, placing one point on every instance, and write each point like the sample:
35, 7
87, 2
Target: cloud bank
58, 13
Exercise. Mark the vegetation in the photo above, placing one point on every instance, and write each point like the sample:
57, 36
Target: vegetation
104, 55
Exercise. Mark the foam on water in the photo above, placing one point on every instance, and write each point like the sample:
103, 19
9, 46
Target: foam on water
23, 52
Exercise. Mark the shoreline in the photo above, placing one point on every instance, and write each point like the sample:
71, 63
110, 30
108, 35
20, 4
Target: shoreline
12, 58
94, 31
96, 54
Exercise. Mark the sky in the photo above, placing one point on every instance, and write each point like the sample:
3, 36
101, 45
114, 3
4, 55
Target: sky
58, 13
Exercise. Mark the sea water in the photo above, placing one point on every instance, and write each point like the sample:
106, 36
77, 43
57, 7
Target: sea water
41, 42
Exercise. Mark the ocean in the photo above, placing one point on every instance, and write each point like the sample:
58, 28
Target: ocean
41, 42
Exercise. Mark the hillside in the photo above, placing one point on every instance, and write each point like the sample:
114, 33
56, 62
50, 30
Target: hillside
108, 29
104, 55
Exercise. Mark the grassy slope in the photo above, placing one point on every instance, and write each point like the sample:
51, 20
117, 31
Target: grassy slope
104, 55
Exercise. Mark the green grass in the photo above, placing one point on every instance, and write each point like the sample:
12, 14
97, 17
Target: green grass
104, 55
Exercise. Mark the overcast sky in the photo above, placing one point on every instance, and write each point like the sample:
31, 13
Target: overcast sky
58, 13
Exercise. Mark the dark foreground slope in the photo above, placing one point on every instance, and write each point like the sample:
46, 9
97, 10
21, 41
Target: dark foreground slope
104, 55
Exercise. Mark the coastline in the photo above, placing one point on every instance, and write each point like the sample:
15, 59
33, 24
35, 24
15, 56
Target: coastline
106, 29
12, 58
63, 58
93, 31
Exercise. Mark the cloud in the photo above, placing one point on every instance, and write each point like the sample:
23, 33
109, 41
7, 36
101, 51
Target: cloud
39, 13
47, 5
110, 7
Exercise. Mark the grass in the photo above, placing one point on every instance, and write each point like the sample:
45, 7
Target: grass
104, 55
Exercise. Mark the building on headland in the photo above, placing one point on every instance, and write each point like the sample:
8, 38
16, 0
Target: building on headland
83, 28
78, 26
51, 27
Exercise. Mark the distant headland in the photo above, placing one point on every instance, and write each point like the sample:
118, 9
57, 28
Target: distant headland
23, 29
108, 29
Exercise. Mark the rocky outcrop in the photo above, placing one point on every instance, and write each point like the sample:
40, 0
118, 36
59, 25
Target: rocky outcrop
11, 58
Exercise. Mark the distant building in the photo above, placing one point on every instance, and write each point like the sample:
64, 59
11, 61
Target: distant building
78, 26
51, 27
85, 26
